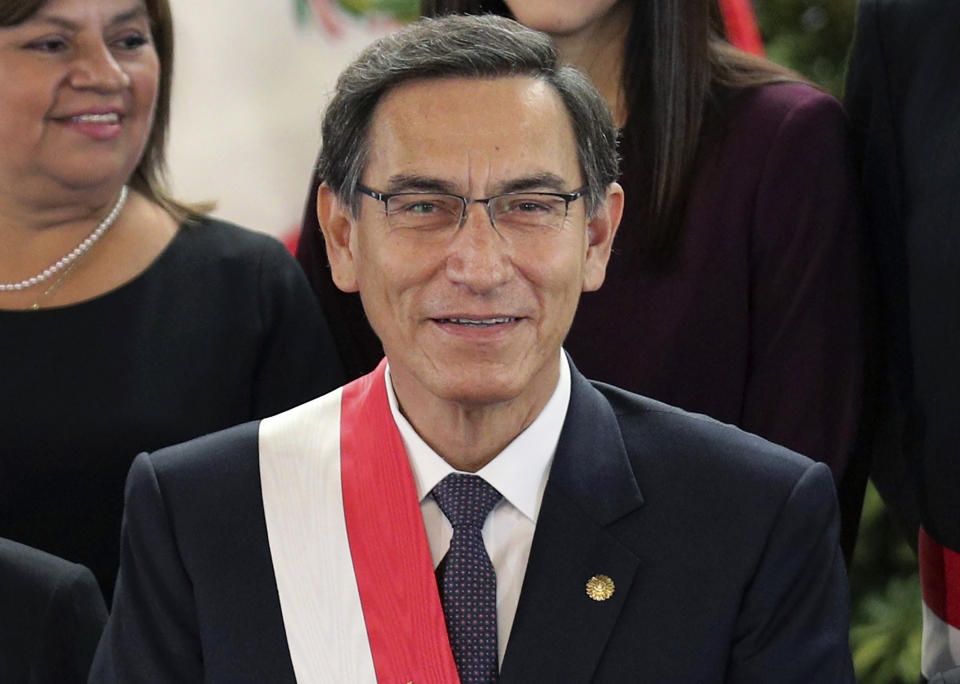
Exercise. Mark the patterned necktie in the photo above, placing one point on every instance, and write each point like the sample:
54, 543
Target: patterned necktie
468, 586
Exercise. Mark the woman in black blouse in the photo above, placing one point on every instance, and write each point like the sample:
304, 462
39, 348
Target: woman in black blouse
127, 320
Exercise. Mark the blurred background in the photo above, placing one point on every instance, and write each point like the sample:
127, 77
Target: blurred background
249, 91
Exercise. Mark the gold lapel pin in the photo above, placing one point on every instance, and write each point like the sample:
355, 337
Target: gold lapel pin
600, 587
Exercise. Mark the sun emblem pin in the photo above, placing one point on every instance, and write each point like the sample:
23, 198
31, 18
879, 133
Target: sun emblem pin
600, 587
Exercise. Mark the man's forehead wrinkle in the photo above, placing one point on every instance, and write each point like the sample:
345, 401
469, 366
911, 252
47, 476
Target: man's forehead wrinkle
470, 178
457, 150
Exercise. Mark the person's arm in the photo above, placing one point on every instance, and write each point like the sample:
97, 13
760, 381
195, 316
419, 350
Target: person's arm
794, 621
805, 355
298, 360
152, 633
870, 102
72, 623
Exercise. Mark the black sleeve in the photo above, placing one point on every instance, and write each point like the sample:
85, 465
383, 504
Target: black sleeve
795, 616
71, 629
152, 634
870, 100
297, 361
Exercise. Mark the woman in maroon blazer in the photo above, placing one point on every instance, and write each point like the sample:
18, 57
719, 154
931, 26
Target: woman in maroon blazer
733, 289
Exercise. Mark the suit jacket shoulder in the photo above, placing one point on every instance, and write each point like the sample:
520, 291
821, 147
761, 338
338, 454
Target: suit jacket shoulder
715, 543
51, 616
195, 544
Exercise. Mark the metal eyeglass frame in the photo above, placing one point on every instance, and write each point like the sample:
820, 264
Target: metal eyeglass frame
385, 197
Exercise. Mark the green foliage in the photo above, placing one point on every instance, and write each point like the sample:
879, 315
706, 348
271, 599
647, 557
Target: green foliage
886, 623
398, 10
885, 635
402, 10
810, 36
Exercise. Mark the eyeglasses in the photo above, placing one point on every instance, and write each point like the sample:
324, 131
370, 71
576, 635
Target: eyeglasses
512, 213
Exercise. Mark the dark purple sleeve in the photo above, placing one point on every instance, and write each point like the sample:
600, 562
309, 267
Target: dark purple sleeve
359, 349
806, 355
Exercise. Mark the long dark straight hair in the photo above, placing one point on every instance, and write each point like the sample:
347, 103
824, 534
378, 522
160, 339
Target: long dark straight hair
678, 77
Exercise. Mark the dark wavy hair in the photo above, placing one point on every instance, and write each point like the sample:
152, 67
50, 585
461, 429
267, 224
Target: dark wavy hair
678, 75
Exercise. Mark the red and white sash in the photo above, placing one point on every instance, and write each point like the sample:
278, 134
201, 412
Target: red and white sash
350, 555
940, 582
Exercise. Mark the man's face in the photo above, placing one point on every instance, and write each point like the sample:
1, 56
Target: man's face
476, 317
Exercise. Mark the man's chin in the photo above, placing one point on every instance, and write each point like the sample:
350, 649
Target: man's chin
480, 391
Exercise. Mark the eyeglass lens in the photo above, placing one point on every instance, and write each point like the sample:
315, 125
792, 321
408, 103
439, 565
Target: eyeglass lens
513, 212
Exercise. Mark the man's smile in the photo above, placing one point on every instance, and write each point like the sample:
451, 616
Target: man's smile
478, 322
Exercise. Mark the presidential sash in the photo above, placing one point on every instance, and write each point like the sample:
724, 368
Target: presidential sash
350, 555
940, 582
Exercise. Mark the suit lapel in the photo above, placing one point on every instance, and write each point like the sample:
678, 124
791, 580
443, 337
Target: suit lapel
559, 632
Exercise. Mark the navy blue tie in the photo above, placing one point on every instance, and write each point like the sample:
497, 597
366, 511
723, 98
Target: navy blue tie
468, 585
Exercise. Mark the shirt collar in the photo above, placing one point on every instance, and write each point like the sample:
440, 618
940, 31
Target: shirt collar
519, 472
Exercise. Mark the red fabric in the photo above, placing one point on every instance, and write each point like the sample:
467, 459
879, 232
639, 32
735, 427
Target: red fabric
290, 239
391, 556
940, 579
740, 25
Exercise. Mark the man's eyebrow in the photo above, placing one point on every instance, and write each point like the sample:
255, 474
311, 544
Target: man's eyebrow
403, 182
538, 181
69, 25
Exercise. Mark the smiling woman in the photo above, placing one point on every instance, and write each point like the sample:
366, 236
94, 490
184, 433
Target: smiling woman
129, 321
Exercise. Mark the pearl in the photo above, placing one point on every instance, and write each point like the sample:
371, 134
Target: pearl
76, 252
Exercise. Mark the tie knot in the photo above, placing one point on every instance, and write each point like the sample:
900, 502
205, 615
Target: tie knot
466, 500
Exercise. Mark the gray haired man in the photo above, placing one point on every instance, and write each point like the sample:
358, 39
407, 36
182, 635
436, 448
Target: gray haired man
475, 510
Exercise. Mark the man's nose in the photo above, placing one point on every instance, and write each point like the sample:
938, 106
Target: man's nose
96, 68
479, 256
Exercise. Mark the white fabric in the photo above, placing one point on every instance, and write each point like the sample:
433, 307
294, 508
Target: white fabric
303, 505
941, 645
519, 472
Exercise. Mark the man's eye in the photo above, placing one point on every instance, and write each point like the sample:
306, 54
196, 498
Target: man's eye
530, 207
421, 207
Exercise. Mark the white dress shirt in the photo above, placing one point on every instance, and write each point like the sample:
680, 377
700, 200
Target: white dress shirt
519, 473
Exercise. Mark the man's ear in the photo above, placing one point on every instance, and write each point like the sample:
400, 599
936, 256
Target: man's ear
337, 225
601, 229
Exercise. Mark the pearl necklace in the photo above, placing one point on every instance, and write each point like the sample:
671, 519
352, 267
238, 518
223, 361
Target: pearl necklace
77, 252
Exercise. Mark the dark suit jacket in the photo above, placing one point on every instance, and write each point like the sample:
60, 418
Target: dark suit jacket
903, 99
723, 548
51, 616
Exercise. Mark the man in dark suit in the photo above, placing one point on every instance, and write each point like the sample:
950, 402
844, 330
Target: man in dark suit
51, 616
577, 532
904, 103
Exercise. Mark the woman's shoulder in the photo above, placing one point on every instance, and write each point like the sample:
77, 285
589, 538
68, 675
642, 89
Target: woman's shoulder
789, 115
204, 243
774, 102
226, 238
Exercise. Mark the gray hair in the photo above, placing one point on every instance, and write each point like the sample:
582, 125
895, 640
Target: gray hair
460, 46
